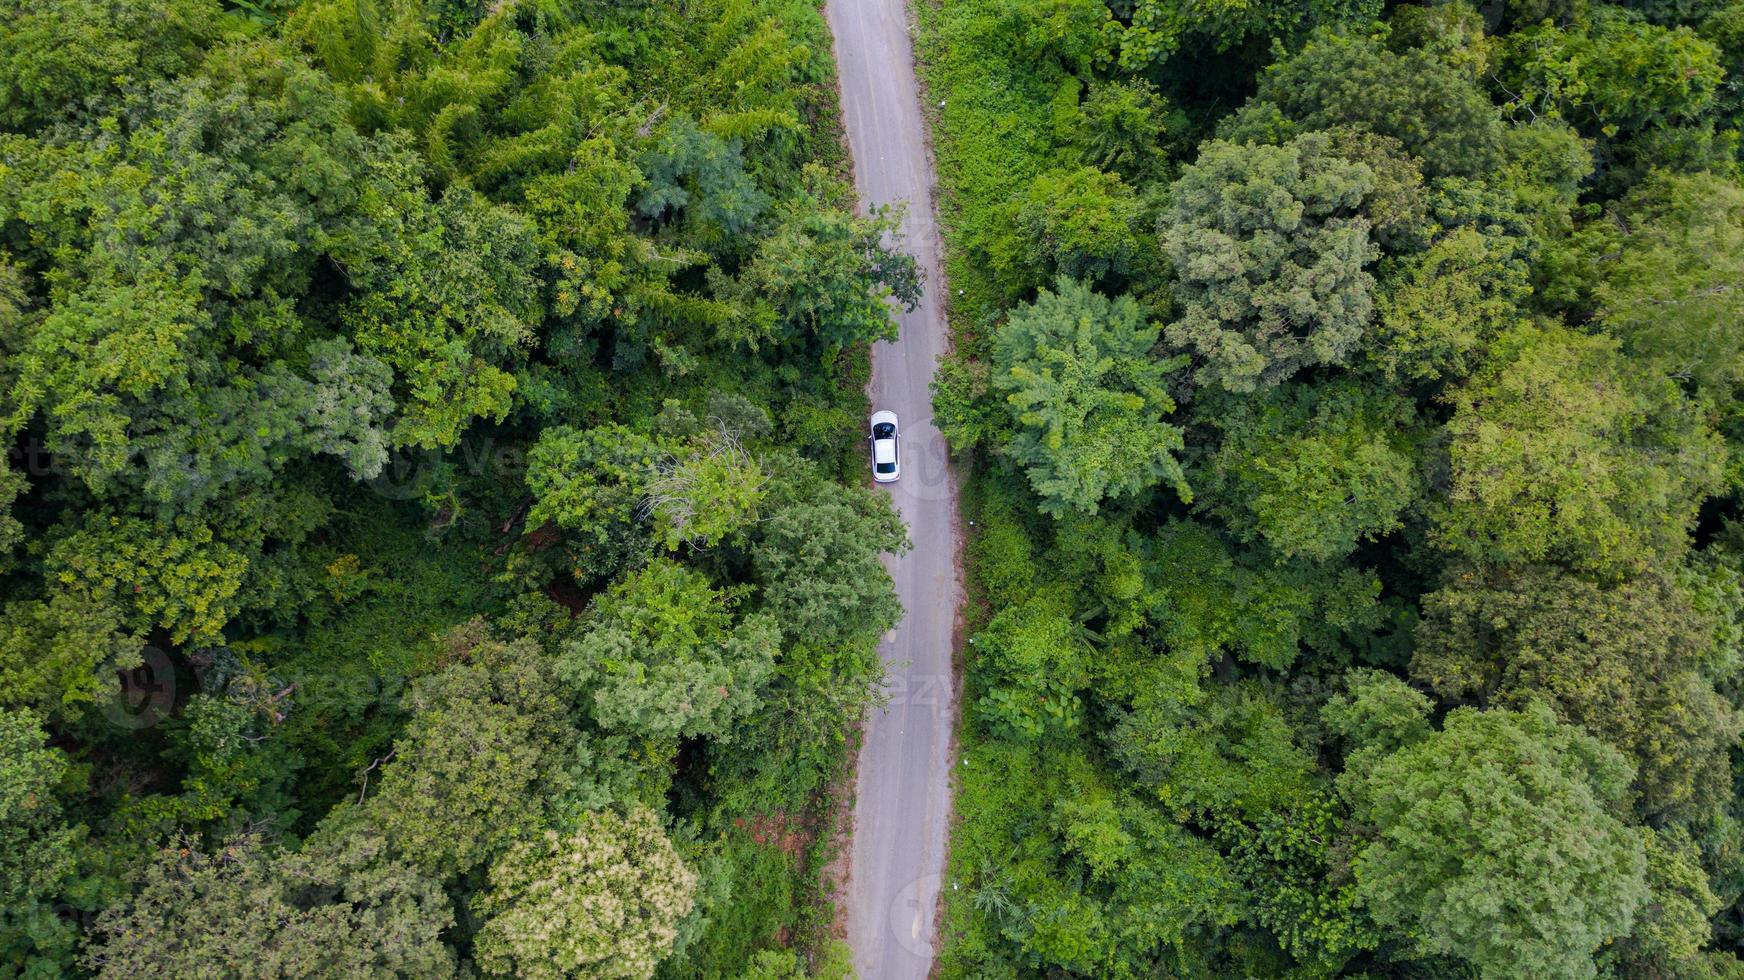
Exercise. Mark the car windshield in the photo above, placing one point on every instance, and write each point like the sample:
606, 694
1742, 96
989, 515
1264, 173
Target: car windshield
883, 430
887, 467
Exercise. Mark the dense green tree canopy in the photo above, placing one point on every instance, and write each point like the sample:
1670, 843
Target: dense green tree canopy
1083, 224
428, 426
1088, 396
1312, 470
1626, 662
1563, 449
665, 655
1439, 665
1662, 265
603, 901
1270, 244
1496, 840
242, 909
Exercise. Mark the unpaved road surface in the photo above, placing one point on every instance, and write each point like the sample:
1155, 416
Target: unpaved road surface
902, 792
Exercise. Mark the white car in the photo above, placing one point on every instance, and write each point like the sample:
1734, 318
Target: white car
886, 443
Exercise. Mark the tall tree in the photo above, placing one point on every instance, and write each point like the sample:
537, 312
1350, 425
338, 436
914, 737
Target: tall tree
1088, 395
1661, 265
601, 901
1564, 450
666, 656
1426, 102
1495, 840
1628, 663
1312, 470
242, 909
1270, 247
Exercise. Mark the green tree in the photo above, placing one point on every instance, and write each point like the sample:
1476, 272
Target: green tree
1614, 73
1673, 927
665, 656
1432, 107
1088, 396
1032, 661
474, 761
1127, 127
1269, 245
243, 909
710, 488
59, 55
1375, 715
1625, 662
824, 275
61, 654
1213, 754
1082, 224
1564, 450
38, 849
1661, 264
1312, 470
817, 558
1102, 883
1202, 599
1289, 865
591, 483
1443, 308
602, 901
1154, 30
1495, 840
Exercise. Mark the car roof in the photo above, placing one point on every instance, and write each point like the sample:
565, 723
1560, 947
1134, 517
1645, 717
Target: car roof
884, 450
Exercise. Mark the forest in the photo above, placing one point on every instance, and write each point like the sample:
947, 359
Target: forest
1349, 399
434, 538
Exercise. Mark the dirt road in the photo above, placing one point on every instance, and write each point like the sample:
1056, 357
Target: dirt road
902, 801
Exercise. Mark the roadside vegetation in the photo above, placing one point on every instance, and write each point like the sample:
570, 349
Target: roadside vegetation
1350, 397
433, 538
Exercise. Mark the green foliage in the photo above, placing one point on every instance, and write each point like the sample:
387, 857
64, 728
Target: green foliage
824, 274
1032, 660
1312, 470
1479, 348
1617, 73
817, 557
1661, 263
591, 484
1127, 127
1203, 599
40, 849
1270, 244
327, 326
1289, 868
1377, 714
1673, 926
60, 55
1445, 306
245, 909
1087, 394
1105, 885
1083, 224
665, 656
1423, 100
1624, 662
1495, 841
1152, 30
1563, 449
603, 900
462, 778
708, 490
